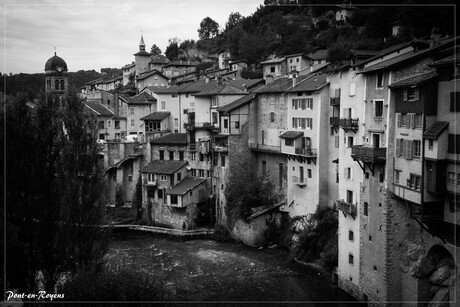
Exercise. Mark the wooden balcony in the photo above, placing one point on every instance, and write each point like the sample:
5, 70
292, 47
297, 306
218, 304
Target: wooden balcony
218, 148
369, 154
199, 125
335, 101
347, 208
306, 152
265, 148
335, 121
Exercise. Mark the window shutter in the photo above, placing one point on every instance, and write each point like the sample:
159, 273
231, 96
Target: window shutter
398, 119
409, 149
405, 94
352, 89
417, 95
398, 147
412, 120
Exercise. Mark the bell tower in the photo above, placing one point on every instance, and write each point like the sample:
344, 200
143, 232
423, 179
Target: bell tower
56, 80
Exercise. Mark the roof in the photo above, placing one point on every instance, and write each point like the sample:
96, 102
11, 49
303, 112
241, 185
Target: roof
54, 62
170, 89
156, 116
150, 73
167, 167
248, 83
321, 54
239, 61
415, 80
142, 98
171, 139
277, 86
297, 54
312, 83
273, 61
361, 53
142, 52
159, 59
435, 130
181, 63
291, 134
185, 186
127, 66
199, 86
447, 61
237, 103
223, 89
98, 108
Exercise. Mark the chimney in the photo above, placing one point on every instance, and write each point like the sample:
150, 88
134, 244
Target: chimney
269, 79
294, 80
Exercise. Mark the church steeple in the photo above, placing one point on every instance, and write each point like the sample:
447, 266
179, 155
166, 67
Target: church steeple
141, 43
56, 75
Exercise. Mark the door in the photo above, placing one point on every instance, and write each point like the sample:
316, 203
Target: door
376, 140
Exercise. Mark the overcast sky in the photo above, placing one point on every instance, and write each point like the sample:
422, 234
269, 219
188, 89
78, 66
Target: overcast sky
90, 34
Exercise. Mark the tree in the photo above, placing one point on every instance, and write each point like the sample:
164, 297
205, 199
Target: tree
208, 29
233, 20
172, 50
53, 184
155, 50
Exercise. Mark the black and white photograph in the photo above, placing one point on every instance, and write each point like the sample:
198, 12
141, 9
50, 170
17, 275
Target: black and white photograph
230, 153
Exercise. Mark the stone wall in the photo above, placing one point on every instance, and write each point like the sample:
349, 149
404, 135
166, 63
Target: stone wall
171, 217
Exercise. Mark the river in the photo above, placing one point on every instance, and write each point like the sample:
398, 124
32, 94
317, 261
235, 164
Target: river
208, 271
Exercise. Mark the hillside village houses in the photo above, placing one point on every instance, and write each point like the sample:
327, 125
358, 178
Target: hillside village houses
374, 137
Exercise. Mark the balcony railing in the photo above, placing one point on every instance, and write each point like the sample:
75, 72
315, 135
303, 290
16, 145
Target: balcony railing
198, 125
307, 152
348, 208
369, 154
299, 181
151, 183
335, 101
349, 122
265, 148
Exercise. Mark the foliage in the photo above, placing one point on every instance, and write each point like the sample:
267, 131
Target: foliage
53, 184
209, 28
112, 286
318, 240
155, 50
246, 189
205, 213
233, 20
172, 50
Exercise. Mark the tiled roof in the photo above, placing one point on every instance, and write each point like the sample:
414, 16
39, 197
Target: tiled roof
224, 89
159, 59
312, 83
170, 89
142, 98
171, 139
167, 167
199, 86
291, 134
249, 83
150, 73
321, 54
435, 130
186, 185
448, 60
237, 103
142, 52
361, 53
414, 80
127, 66
278, 86
98, 108
181, 63
295, 55
273, 61
156, 116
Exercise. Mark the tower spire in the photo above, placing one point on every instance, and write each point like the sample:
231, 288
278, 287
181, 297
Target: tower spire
142, 44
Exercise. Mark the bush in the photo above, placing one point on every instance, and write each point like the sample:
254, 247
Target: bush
112, 286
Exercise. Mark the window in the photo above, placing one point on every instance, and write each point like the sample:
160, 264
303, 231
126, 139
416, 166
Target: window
130, 178
226, 123
430, 144
150, 178
237, 125
131, 111
264, 167
301, 174
56, 84
179, 176
101, 136
366, 209
62, 84
309, 173
201, 173
163, 177
272, 117
214, 118
352, 89
289, 142
309, 123
193, 156
378, 108
337, 141
350, 141
380, 79
117, 124
272, 69
347, 173
214, 101
173, 199
163, 105
381, 176
350, 235
451, 178
161, 154
132, 123
414, 182
411, 94
397, 176
366, 175
109, 123
418, 120
349, 196
174, 95
181, 156
222, 160
171, 155
100, 124
176, 122
416, 148
350, 259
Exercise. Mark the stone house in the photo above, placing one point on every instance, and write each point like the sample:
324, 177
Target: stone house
151, 78
139, 106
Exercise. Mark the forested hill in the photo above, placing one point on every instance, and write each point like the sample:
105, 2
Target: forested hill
33, 84
281, 27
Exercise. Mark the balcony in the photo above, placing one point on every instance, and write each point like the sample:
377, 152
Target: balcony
347, 208
299, 181
265, 148
199, 125
335, 101
369, 154
150, 183
218, 148
306, 152
335, 121
345, 123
